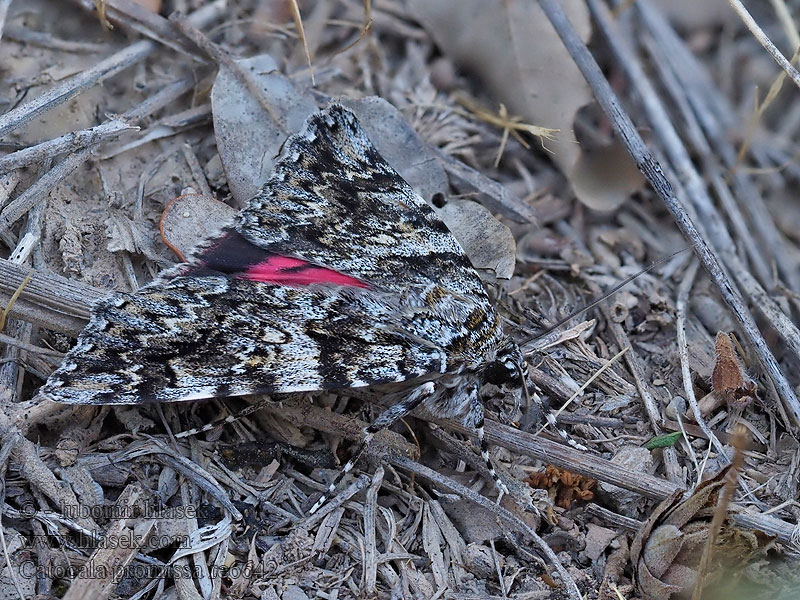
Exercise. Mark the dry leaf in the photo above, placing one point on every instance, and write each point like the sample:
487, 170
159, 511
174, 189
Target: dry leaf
522, 63
666, 550
254, 110
729, 379
189, 219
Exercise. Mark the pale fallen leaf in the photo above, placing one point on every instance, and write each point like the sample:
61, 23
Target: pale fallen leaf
250, 130
604, 177
520, 60
489, 244
189, 219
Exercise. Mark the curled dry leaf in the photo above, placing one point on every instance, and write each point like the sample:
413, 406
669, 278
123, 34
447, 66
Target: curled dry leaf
729, 380
511, 46
666, 550
189, 219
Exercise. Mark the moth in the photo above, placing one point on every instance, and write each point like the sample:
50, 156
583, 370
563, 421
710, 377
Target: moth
337, 275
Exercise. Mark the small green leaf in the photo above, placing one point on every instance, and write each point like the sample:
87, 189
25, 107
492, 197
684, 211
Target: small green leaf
663, 441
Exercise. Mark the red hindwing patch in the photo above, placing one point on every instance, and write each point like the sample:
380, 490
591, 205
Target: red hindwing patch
285, 270
234, 255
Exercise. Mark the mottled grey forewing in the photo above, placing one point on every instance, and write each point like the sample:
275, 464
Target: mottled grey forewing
331, 201
202, 337
334, 201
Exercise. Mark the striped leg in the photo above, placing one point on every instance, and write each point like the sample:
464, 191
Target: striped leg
386, 419
248, 410
474, 418
551, 420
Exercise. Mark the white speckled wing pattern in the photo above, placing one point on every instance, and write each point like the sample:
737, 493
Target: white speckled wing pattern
336, 275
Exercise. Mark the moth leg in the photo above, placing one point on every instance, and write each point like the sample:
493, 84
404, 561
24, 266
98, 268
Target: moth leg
551, 420
231, 418
386, 419
474, 419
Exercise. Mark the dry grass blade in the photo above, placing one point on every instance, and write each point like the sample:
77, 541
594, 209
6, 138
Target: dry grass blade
301, 33
12, 300
764, 40
726, 496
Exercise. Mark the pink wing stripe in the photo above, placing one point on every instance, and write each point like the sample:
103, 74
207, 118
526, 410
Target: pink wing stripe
285, 270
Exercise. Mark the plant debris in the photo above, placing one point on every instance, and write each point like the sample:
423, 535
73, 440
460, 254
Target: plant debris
131, 131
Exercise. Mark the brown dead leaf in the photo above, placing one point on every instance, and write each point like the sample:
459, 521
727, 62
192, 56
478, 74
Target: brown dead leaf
522, 63
729, 379
666, 550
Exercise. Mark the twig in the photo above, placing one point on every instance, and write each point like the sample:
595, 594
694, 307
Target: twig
609, 516
9, 442
117, 62
301, 33
50, 301
652, 170
41, 187
370, 546
222, 57
565, 457
762, 38
497, 196
95, 135
713, 113
683, 99
135, 17
682, 303
48, 40
11, 341
197, 170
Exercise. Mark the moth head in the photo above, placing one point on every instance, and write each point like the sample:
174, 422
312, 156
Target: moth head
508, 368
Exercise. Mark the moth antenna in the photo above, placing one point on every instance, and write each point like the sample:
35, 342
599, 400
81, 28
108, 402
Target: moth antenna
608, 294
